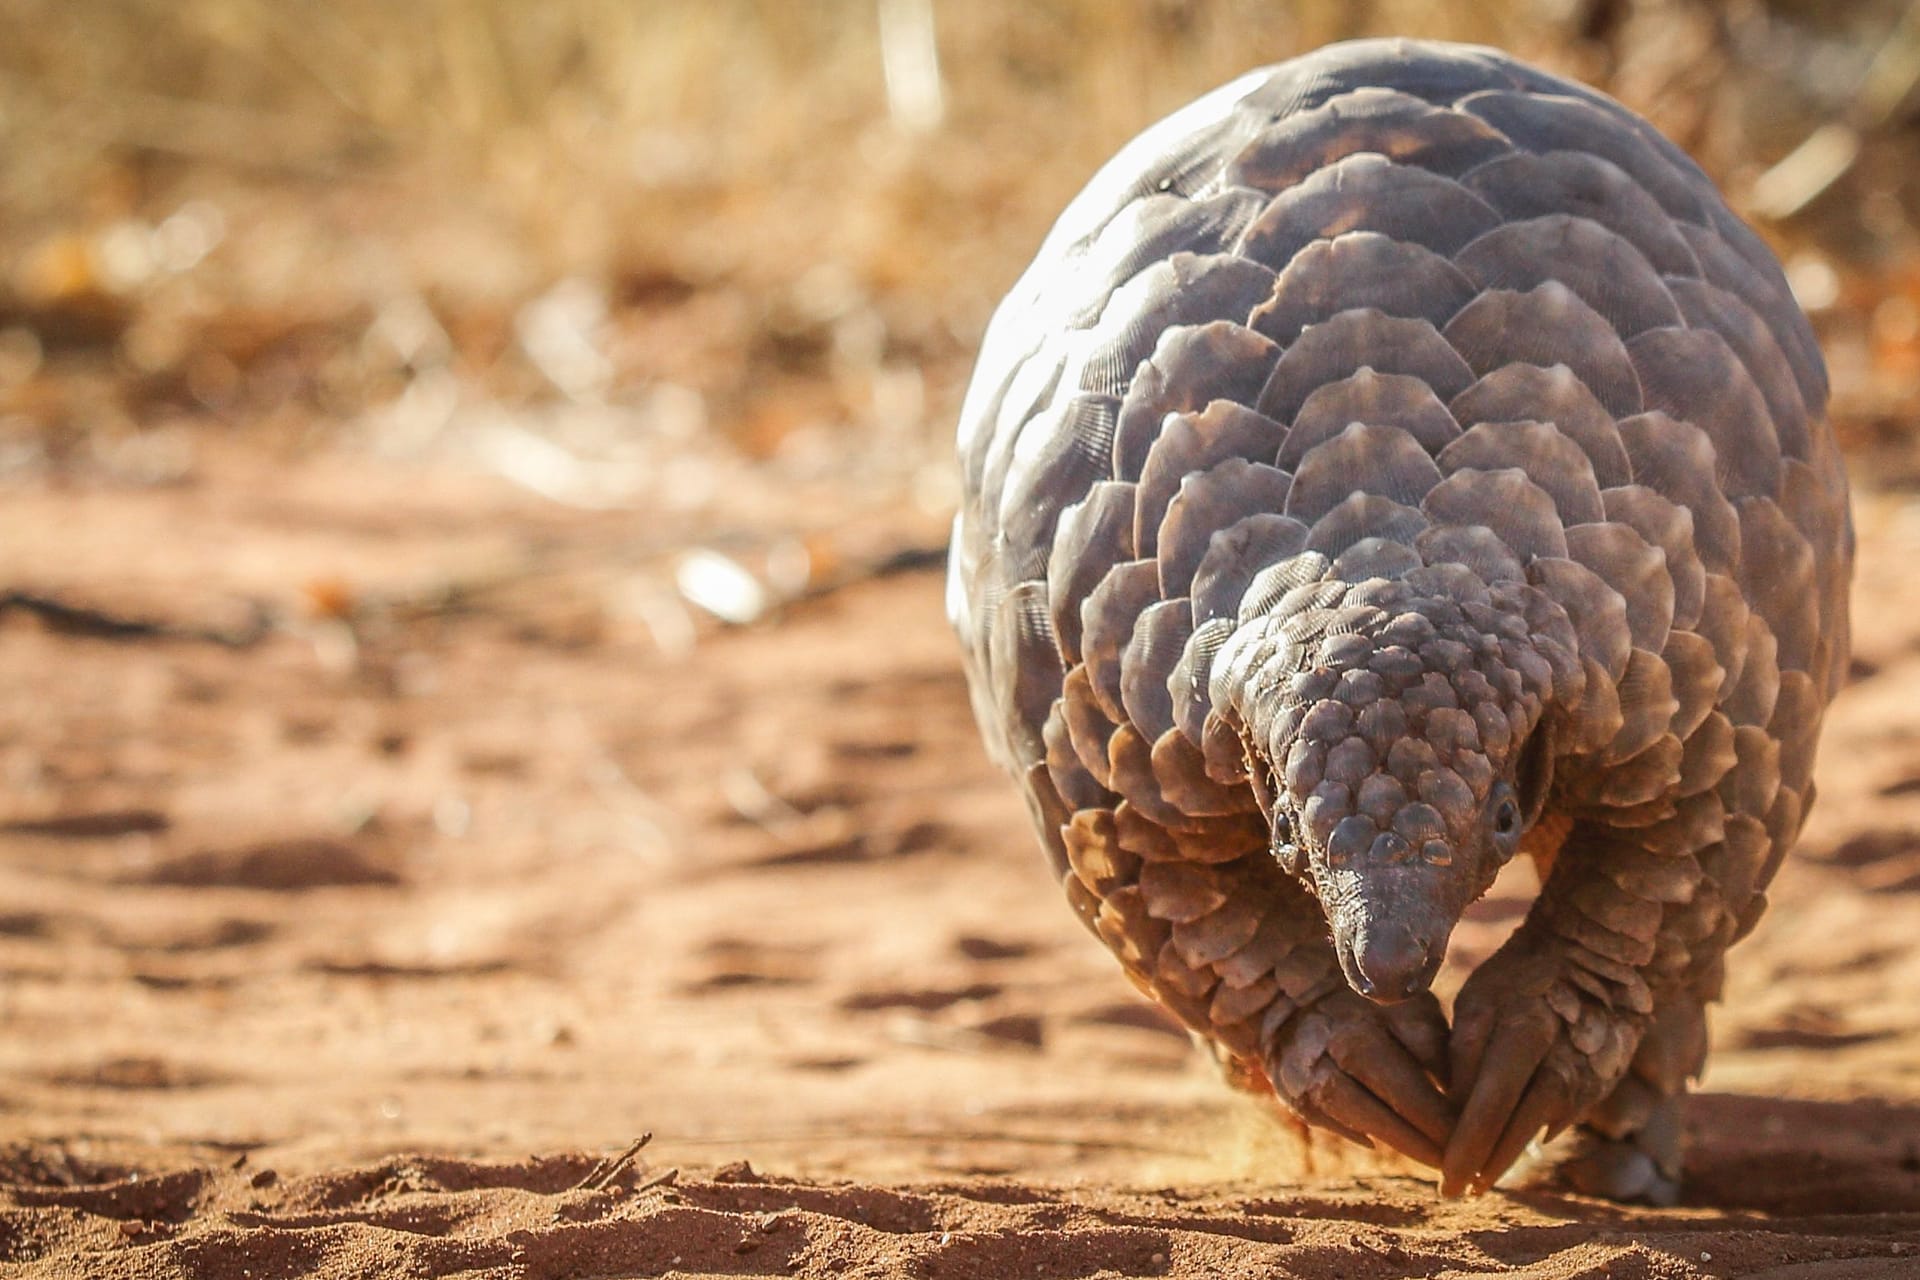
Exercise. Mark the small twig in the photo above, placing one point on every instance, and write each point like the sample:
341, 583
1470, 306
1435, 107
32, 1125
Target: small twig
910, 61
82, 620
1799, 178
609, 1169
910, 559
666, 1179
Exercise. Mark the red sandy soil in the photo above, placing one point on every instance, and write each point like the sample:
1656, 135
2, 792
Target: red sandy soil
349, 951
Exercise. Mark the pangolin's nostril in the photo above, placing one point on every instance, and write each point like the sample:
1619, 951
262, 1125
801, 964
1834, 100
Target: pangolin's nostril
1391, 964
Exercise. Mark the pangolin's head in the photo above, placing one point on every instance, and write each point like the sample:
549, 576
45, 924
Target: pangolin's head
1400, 762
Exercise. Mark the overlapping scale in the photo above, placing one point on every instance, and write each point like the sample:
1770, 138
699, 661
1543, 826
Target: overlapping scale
1367, 192
1208, 502
1151, 229
1189, 443
1107, 621
1180, 772
1061, 454
1554, 393
1547, 325
1184, 289
1476, 546
1519, 511
1367, 395
1361, 269
1358, 517
1532, 185
1668, 526
1548, 122
1089, 727
1191, 367
1365, 458
1726, 269
1596, 608
1093, 536
1647, 705
1777, 577
1677, 460
1600, 268
1795, 724
1159, 637
1235, 555
1724, 623
1025, 669
1694, 376
1380, 121
1364, 338
1190, 684
1628, 563
1709, 754
1698, 679
1554, 462
1706, 307
1077, 786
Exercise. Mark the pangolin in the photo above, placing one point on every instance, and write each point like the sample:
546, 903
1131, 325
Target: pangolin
1398, 459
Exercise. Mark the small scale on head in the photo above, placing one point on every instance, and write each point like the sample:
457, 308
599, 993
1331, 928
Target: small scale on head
1400, 750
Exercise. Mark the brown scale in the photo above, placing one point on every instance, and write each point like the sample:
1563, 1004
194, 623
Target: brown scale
1397, 463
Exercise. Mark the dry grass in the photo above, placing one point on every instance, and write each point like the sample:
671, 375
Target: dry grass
727, 174
570, 113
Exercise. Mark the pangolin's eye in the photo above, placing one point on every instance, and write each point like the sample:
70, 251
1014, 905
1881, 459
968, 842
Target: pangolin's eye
1505, 821
1285, 851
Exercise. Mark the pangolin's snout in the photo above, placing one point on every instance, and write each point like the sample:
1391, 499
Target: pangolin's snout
1387, 963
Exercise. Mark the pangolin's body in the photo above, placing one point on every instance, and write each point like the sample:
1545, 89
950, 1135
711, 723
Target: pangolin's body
1395, 457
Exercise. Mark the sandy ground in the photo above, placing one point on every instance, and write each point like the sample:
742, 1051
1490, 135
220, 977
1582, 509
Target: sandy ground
350, 951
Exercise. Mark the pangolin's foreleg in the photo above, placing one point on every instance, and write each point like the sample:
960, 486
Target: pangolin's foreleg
1370, 1071
1628, 1146
1239, 951
1546, 1030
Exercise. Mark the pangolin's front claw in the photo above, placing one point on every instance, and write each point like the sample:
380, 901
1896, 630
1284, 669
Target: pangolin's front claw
1345, 1063
1493, 1079
1516, 1068
1388, 1070
1339, 1097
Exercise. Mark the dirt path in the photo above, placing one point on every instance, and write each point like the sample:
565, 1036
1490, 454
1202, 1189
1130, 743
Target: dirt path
491, 877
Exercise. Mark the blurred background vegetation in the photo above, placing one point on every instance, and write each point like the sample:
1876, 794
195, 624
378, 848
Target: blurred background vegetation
585, 241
